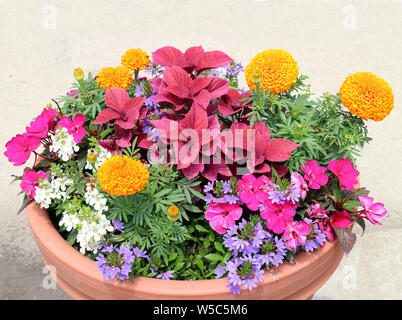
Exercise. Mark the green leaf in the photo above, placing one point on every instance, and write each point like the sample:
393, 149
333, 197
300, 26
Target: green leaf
337, 194
218, 246
197, 194
178, 266
350, 205
214, 257
199, 263
25, 202
200, 228
162, 193
362, 224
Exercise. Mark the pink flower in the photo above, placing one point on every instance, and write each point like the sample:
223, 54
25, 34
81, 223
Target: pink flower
314, 174
314, 210
320, 216
20, 147
74, 93
345, 172
375, 212
75, 127
296, 233
30, 181
222, 216
278, 215
327, 229
297, 180
252, 190
42, 124
341, 219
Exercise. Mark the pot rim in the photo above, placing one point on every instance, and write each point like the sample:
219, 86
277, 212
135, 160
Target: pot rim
41, 224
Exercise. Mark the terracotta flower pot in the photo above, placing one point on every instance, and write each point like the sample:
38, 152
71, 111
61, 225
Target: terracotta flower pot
79, 277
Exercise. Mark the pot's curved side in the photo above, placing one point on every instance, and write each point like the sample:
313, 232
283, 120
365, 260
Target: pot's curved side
79, 277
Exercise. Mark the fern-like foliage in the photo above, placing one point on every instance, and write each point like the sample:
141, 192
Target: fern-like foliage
145, 214
323, 129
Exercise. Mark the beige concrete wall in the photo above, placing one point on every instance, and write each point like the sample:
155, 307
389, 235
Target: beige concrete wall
42, 41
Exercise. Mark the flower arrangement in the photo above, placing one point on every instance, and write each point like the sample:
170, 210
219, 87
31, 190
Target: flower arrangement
181, 173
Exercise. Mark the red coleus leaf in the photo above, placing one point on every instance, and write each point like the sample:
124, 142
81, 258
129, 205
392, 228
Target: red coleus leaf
193, 170
175, 76
217, 87
168, 130
180, 89
211, 171
124, 136
106, 116
211, 60
278, 150
346, 238
192, 53
168, 56
110, 145
196, 119
124, 110
195, 58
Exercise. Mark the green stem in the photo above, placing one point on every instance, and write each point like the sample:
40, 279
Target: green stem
348, 198
136, 75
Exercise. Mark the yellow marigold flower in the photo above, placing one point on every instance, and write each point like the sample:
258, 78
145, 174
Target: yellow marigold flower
119, 77
367, 96
122, 176
173, 213
278, 68
78, 74
135, 59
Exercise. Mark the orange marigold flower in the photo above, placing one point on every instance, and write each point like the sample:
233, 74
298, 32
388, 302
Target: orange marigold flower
367, 96
135, 59
119, 77
278, 68
122, 176
173, 213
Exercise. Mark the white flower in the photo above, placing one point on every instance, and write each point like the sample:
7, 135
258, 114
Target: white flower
70, 221
95, 199
91, 227
63, 144
44, 194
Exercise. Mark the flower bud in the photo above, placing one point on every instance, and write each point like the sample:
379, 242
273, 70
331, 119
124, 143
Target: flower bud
257, 76
78, 74
173, 213
49, 106
91, 157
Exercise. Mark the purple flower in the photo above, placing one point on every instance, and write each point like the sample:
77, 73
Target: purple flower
116, 262
166, 275
220, 271
233, 69
316, 238
138, 253
276, 195
155, 70
139, 90
245, 271
244, 238
220, 192
118, 225
105, 248
273, 251
233, 288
